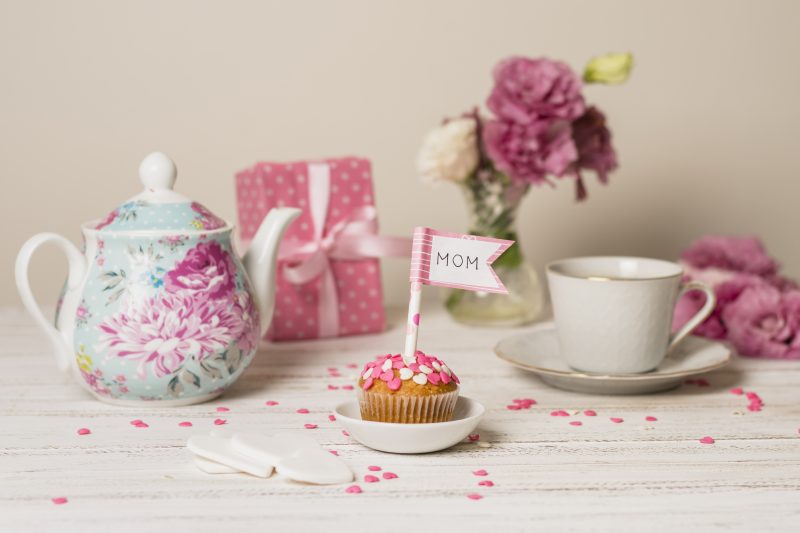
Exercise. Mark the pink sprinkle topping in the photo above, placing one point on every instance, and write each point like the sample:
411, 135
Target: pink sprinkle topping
369, 478
59, 501
332, 418
270, 403
374, 370
374, 468
220, 422
347, 387
474, 437
474, 496
395, 383
310, 426
707, 440
480, 472
303, 411
617, 420
185, 424
389, 475
368, 383
590, 412
738, 391
222, 409
486, 483
651, 419
353, 489
84, 431
576, 423
345, 433
333, 452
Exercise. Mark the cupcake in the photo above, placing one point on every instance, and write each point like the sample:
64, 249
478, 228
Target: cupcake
417, 391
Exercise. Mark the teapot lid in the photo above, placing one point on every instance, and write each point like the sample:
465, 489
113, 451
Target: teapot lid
158, 207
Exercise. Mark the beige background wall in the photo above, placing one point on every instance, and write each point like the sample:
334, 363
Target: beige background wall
706, 129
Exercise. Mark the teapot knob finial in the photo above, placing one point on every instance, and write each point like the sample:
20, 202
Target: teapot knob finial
157, 171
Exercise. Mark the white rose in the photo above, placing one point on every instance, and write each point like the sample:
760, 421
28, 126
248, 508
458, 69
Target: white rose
449, 152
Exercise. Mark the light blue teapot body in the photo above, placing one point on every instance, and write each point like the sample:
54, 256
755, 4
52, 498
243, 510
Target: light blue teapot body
158, 307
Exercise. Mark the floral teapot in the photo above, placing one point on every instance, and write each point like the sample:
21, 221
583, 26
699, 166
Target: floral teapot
159, 307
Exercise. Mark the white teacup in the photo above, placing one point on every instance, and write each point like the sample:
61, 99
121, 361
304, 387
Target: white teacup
614, 314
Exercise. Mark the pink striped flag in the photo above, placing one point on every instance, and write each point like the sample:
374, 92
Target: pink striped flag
456, 260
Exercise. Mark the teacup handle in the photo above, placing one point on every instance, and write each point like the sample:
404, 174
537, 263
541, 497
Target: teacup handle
702, 314
77, 269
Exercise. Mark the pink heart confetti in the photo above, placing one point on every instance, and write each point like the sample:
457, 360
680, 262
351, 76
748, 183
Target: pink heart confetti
310, 426
474, 496
617, 420
373, 468
136, 422
185, 424
486, 483
389, 475
222, 409
303, 411
560, 412
220, 422
590, 412
270, 403
576, 423
345, 433
513, 407
474, 437
332, 369
651, 419
84, 431
352, 365
480, 472
333, 452
332, 418
353, 489
369, 478
738, 391
333, 387
347, 387
59, 501
707, 440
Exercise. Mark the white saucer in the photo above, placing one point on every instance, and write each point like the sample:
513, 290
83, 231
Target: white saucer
538, 351
411, 438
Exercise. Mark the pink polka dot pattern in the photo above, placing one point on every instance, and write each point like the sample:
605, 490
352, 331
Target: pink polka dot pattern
358, 283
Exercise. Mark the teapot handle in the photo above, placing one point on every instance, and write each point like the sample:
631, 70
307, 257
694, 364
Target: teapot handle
77, 270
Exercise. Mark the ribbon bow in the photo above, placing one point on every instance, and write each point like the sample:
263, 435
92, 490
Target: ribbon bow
352, 238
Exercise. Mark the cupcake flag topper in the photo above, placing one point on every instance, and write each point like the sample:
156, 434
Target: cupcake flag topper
450, 260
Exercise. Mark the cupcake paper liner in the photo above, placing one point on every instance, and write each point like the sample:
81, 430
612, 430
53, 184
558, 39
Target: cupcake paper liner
381, 407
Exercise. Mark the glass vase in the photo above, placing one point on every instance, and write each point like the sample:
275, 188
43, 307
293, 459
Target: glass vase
493, 202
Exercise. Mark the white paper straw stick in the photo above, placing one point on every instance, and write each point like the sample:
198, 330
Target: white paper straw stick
412, 325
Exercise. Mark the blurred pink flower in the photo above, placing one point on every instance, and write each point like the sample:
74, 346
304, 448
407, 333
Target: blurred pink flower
726, 291
593, 141
529, 152
763, 322
527, 90
739, 254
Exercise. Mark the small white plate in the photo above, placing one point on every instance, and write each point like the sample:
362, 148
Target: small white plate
411, 438
538, 351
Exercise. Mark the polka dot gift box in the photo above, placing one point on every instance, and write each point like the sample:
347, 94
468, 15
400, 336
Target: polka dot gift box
328, 277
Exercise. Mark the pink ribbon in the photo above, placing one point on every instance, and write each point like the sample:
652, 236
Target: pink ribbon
352, 238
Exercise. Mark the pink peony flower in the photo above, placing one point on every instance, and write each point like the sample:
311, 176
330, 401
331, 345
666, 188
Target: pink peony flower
739, 254
248, 329
593, 141
206, 268
527, 90
726, 291
530, 152
763, 322
161, 332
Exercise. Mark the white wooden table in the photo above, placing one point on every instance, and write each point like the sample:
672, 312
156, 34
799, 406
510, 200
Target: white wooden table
548, 475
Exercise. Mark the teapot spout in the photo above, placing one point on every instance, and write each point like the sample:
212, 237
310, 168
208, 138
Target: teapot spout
261, 258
